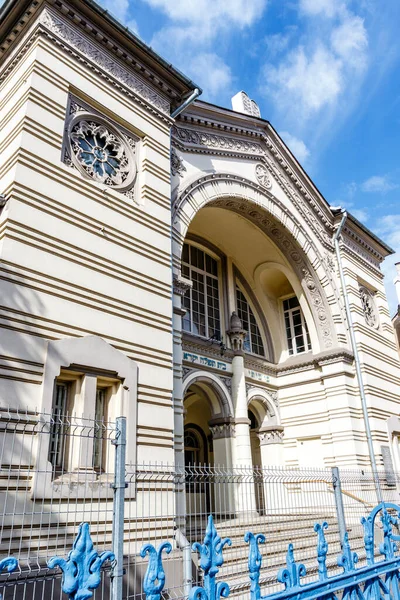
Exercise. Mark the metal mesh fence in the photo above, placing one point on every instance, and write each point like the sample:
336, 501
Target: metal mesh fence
57, 471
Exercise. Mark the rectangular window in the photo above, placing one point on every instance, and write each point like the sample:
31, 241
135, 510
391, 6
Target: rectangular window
202, 300
58, 426
253, 342
98, 437
297, 335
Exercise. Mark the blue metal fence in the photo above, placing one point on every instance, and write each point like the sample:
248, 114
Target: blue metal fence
378, 580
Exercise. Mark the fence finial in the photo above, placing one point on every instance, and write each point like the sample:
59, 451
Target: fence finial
154, 579
322, 550
255, 561
10, 563
81, 570
211, 558
290, 576
348, 559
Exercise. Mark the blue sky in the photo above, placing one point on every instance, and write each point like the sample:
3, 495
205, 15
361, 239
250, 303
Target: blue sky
325, 73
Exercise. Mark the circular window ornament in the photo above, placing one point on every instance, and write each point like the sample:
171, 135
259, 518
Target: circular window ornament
99, 151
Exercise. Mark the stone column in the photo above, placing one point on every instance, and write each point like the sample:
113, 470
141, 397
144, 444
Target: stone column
271, 448
81, 448
242, 445
180, 287
223, 433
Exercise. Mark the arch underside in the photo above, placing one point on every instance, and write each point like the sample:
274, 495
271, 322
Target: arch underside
263, 210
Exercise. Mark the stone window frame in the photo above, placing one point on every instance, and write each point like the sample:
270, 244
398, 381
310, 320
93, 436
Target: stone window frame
87, 359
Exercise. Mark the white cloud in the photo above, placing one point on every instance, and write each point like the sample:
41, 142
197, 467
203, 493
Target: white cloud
296, 145
120, 10
379, 184
194, 33
349, 41
307, 81
211, 71
277, 43
316, 81
326, 8
360, 214
242, 13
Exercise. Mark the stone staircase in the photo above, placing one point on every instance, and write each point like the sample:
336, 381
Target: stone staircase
280, 530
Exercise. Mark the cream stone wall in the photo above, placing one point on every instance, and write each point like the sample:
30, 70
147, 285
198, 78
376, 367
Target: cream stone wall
78, 258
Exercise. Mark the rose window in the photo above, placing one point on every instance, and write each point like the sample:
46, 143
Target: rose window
101, 152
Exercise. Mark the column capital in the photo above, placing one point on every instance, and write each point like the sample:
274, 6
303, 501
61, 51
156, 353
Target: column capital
181, 285
237, 334
270, 435
222, 428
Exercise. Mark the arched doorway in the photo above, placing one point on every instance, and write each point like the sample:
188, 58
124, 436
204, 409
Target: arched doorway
207, 442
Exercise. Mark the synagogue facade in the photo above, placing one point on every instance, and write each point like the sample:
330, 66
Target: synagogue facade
170, 260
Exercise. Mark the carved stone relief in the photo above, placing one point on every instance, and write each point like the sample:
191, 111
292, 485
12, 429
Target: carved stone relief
369, 307
177, 166
102, 60
263, 177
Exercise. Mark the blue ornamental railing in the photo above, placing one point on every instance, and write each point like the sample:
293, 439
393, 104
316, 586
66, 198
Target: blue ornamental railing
378, 580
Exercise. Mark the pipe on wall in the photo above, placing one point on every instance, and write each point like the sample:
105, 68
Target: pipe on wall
357, 363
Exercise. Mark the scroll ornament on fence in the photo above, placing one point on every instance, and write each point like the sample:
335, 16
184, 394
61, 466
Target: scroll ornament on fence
81, 570
10, 563
210, 552
154, 579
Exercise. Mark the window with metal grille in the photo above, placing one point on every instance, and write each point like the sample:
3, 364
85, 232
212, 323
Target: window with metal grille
297, 335
58, 426
202, 300
253, 342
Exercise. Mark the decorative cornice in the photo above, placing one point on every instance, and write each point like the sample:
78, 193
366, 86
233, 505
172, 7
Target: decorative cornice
326, 358
95, 58
203, 346
200, 141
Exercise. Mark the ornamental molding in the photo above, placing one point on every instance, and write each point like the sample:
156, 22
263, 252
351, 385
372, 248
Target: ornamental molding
281, 238
260, 393
102, 59
181, 285
263, 177
273, 164
222, 430
325, 358
369, 307
177, 166
200, 346
271, 435
362, 251
95, 58
362, 244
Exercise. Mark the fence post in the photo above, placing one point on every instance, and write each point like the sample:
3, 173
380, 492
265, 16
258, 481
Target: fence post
337, 488
119, 486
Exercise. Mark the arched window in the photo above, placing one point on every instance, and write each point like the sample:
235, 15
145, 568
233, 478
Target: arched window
253, 342
297, 335
202, 301
192, 448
